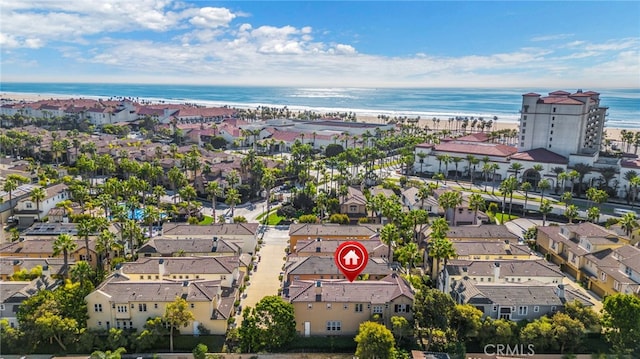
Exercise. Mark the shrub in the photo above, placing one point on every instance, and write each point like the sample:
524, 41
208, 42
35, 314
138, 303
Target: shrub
308, 218
239, 219
200, 351
364, 220
339, 218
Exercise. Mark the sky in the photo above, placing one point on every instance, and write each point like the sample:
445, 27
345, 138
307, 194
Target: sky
323, 43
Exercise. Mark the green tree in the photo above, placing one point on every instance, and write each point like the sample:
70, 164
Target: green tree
571, 212
477, 203
526, 188
466, 320
177, 315
200, 351
432, 310
64, 244
567, 332
628, 222
375, 341
213, 191
593, 214
37, 195
450, 200
545, 209
269, 326
620, 322
539, 333
586, 315
116, 354
401, 328
233, 198
389, 235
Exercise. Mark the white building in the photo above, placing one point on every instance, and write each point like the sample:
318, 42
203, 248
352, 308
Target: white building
570, 125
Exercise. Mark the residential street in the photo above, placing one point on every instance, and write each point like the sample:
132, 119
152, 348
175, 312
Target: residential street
264, 281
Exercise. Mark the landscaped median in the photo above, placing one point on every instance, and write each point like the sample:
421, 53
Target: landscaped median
273, 218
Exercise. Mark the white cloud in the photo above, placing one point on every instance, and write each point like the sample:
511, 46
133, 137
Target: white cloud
212, 17
551, 37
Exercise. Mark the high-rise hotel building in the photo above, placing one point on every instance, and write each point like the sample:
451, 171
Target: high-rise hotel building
568, 124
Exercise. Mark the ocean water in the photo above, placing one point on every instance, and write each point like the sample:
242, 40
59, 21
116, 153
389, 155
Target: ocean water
624, 104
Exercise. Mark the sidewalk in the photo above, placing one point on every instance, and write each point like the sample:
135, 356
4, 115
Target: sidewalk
264, 281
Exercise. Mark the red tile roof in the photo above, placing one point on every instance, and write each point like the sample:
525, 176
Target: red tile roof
559, 93
540, 155
532, 94
476, 137
560, 100
488, 149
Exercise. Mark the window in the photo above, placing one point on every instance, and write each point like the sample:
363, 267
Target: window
29, 205
522, 310
353, 208
550, 139
603, 276
495, 308
192, 305
616, 285
142, 307
551, 133
536, 309
524, 118
554, 110
522, 138
157, 277
552, 125
358, 307
99, 324
97, 307
141, 277
524, 131
377, 309
526, 109
1, 306
148, 277
155, 305
122, 309
223, 277
627, 270
553, 308
334, 326
401, 308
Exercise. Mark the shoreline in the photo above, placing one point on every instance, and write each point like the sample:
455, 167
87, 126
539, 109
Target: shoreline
369, 116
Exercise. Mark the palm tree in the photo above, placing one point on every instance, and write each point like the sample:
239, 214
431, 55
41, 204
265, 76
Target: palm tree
456, 161
450, 200
424, 192
543, 185
583, 169
82, 273
233, 198
177, 179
106, 241
566, 197
545, 208
571, 212
213, 190
593, 214
628, 222
441, 249
525, 187
389, 235
507, 187
151, 215
9, 186
476, 202
267, 182
64, 244
557, 171
85, 229
516, 168
37, 195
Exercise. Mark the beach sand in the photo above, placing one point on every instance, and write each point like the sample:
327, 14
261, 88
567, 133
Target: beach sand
612, 133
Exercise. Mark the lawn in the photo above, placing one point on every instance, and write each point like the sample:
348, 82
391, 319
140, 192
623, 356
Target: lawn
274, 219
206, 221
501, 218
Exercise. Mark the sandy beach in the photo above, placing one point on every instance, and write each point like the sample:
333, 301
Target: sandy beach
612, 133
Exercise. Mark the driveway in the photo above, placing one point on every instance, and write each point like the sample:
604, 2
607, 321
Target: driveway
264, 281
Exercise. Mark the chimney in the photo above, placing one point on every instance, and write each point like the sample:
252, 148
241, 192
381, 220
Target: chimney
561, 292
507, 246
185, 289
161, 268
16, 265
496, 272
45, 271
318, 291
214, 247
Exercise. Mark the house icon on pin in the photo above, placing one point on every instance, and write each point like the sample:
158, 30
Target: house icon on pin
351, 258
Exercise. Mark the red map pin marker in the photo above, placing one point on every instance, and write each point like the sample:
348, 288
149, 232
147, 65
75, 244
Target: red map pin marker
351, 258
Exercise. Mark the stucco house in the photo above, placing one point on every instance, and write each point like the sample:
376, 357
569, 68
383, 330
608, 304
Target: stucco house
337, 307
